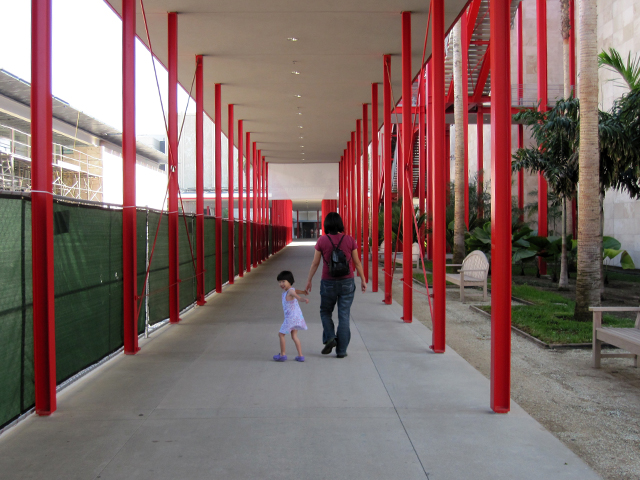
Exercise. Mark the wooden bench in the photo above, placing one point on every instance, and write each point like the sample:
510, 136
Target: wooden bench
625, 338
474, 271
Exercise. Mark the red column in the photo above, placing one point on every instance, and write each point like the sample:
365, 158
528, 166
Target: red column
200, 182
465, 100
405, 167
365, 189
480, 126
230, 194
218, 162
520, 126
375, 181
129, 244
347, 220
174, 219
439, 178
430, 145
354, 176
500, 208
258, 173
254, 198
240, 201
248, 213
358, 188
541, 31
386, 160
266, 199
340, 194
44, 346
422, 125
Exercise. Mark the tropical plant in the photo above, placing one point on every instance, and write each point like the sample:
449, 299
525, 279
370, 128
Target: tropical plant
630, 72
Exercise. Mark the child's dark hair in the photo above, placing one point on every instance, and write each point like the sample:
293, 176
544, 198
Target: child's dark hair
286, 275
333, 223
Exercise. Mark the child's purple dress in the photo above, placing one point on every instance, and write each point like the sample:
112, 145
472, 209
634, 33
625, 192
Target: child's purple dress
293, 319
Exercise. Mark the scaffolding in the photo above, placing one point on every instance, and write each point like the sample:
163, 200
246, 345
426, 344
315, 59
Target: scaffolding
76, 172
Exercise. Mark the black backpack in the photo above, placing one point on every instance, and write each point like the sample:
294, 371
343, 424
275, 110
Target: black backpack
338, 262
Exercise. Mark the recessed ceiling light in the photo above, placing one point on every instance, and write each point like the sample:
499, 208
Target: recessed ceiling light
301, 146
299, 113
299, 126
298, 96
292, 39
295, 72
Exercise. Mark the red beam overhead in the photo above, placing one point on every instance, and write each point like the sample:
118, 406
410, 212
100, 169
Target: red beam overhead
44, 346
129, 243
500, 208
200, 251
174, 258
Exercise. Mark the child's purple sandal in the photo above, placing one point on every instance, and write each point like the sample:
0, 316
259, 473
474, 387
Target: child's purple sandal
300, 359
279, 358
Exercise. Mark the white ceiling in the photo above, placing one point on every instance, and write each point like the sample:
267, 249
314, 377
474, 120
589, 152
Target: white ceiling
338, 54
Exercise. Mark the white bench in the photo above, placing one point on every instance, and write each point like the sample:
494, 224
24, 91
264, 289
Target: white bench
474, 271
625, 338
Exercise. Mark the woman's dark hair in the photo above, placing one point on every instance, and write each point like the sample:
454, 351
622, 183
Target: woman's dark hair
333, 223
286, 275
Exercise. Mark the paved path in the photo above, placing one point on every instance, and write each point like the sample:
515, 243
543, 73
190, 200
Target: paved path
204, 400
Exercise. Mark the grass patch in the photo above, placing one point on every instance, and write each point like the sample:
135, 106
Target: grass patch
420, 277
551, 317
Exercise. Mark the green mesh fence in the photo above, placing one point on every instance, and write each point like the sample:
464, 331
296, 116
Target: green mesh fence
88, 286
16, 316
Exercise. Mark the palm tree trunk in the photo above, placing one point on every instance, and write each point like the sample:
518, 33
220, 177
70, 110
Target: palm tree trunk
563, 284
589, 236
459, 226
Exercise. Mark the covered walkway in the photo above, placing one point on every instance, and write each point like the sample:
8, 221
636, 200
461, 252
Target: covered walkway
204, 400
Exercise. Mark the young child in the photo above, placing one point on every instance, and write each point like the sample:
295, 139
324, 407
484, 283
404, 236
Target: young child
293, 319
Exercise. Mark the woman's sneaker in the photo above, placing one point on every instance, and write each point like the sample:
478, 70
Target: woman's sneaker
329, 346
279, 358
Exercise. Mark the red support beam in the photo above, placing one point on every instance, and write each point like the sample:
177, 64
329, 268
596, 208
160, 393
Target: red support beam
254, 198
129, 243
482, 76
347, 190
422, 160
259, 207
173, 214
500, 208
405, 169
430, 162
240, 200
541, 35
439, 177
354, 189
386, 159
248, 206
375, 200
365, 190
465, 100
200, 251
218, 165
265, 209
44, 344
230, 193
359, 188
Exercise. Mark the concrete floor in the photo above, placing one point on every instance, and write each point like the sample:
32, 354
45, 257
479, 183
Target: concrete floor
204, 400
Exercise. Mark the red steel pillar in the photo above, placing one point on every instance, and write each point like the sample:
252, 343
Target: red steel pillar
240, 201
374, 187
386, 161
440, 164
347, 219
430, 143
365, 189
230, 195
480, 126
218, 165
465, 101
200, 182
358, 164
500, 208
248, 212
129, 244
354, 176
422, 162
405, 167
254, 200
173, 214
44, 345
541, 31
340, 194
258, 174
266, 208
520, 126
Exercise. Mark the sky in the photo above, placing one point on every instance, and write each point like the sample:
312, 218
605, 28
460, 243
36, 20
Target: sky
87, 62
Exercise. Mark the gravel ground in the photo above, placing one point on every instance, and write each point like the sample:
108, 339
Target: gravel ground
596, 413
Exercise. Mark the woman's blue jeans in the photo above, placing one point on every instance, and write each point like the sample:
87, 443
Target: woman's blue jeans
340, 292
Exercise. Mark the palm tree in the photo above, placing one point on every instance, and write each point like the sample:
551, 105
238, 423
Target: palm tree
589, 233
565, 30
459, 225
630, 72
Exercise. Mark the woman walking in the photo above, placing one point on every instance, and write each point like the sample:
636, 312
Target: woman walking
339, 254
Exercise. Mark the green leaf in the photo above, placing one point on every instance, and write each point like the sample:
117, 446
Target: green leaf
610, 242
626, 261
611, 253
523, 254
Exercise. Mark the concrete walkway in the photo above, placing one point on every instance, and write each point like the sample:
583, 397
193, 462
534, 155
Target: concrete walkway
204, 400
